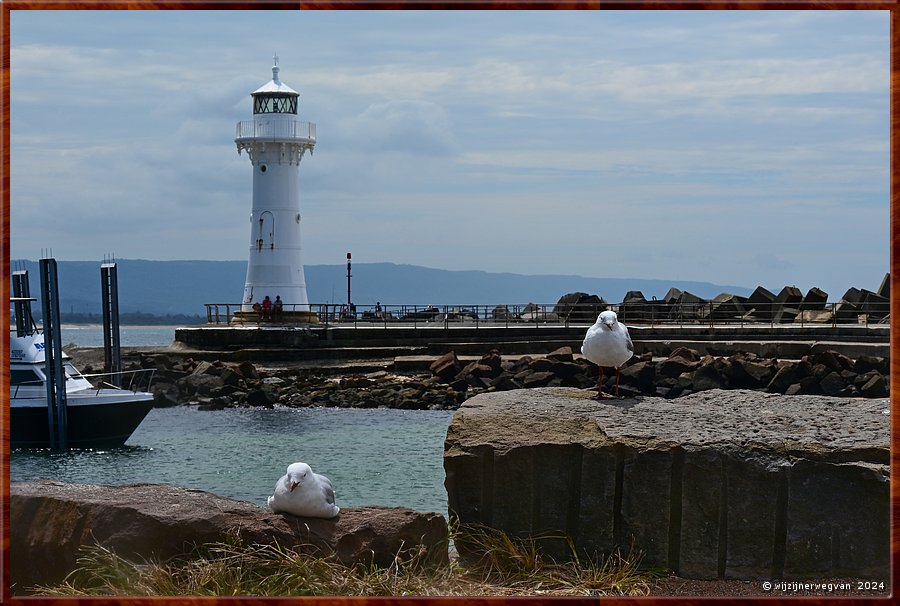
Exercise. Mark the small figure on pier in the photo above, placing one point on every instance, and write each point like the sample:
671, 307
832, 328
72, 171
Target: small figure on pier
278, 308
267, 309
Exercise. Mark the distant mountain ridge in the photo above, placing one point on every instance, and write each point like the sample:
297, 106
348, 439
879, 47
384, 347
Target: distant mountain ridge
182, 287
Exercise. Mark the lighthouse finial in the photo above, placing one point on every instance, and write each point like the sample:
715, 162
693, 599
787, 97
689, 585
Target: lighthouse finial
275, 68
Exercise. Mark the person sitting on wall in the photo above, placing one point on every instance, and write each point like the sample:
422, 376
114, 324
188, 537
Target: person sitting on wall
277, 308
267, 308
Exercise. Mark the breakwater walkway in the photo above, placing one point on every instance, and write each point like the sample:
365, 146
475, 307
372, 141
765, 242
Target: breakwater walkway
424, 340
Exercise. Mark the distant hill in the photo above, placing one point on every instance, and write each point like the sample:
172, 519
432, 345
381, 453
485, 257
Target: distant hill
182, 287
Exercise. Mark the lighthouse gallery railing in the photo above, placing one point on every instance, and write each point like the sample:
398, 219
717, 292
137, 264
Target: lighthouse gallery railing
275, 129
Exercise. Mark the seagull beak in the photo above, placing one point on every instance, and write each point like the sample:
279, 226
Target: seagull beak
294, 485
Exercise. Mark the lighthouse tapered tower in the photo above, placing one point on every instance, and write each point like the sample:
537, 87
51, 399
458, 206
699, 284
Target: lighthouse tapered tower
275, 142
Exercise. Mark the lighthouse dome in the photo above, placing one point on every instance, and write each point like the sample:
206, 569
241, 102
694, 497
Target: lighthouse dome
275, 97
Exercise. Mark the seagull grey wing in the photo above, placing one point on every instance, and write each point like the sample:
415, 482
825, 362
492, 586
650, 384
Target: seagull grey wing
329, 494
327, 488
628, 342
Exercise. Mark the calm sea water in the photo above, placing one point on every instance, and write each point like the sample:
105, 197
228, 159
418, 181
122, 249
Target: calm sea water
374, 456
91, 335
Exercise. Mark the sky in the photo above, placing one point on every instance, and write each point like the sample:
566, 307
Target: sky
745, 148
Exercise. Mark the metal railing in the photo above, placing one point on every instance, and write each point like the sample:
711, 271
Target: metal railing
138, 380
289, 130
639, 313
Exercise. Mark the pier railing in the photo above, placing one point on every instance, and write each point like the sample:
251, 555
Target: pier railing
649, 313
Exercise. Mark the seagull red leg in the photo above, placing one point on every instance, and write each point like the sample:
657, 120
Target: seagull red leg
617, 381
599, 395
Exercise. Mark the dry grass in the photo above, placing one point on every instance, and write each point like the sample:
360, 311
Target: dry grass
508, 567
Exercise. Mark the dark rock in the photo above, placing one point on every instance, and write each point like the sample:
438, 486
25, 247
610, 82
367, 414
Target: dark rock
832, 360
563, 354
793, 389
492, 360
200, 383
746, 373
833, 384
446, 367
165, 395
504, 382
230, 375
707, 377
541, 365
248, 370
876, 387
865, 364
687, 353
458, 386
672, 367
566, 370
536, 379
786, 376
143, 521
205, 368
260, 397
477, 370
640, 375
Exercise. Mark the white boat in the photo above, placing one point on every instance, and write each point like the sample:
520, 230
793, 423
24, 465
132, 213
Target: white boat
99, 413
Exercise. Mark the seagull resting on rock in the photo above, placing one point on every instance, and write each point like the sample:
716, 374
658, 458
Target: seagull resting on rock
607, 343
303, 493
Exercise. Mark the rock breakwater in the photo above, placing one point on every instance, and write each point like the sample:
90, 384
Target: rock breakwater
450, 381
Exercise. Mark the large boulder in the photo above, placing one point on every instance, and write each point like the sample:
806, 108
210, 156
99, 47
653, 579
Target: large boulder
579, 306
716, 484
50, 521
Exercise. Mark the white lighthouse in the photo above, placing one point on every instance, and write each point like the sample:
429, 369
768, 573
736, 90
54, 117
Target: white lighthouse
275, 142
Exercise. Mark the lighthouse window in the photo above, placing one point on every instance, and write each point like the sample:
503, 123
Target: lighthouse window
281, 104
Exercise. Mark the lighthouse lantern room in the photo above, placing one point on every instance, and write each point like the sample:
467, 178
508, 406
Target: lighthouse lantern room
275, 142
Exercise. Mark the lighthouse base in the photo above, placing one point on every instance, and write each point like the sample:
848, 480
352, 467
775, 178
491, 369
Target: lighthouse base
286, 317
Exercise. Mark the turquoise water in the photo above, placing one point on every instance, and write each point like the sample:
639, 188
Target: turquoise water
373, 456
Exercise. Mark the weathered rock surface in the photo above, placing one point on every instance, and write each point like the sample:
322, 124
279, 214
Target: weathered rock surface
718, 484
49, 521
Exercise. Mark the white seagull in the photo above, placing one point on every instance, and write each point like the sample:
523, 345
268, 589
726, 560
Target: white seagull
302, 492
607, 343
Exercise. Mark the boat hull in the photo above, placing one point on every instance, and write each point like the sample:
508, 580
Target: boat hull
94, 425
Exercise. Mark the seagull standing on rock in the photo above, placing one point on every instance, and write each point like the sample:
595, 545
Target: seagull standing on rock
607, 343
303, 493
